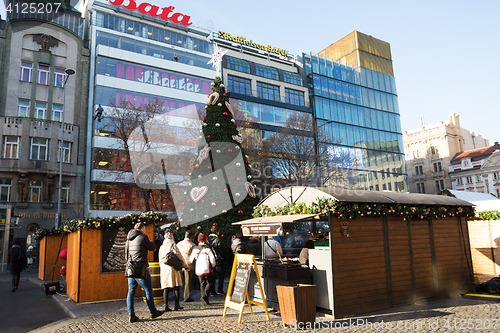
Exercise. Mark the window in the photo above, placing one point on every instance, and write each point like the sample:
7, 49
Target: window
59, 75
496, 175
433, 150
293, 78
35, 191
26, 71
469, 180
465, 163
66, 152
5, 188
65, 192
479, 178
438, 167
57, 111
416, 154
11, 147
498, 193
238, 65
23, 108
294, 97
419, 170
268, 91
40, 110
268, 72
39, 149
460, 181
43, 74
420, 187
239, 85
440, 185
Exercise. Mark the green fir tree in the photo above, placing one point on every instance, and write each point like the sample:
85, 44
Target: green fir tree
220, 190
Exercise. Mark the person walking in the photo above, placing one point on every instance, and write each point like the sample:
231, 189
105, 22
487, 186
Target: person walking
16, 261
238, 246
170, 278
204, 260
137, 247
215, 242
186, 247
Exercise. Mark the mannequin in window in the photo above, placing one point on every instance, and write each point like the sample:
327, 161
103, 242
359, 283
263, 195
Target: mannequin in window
48, 189
23, 188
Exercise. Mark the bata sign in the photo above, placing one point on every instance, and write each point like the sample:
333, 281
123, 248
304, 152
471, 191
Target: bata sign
251, 43
165, 13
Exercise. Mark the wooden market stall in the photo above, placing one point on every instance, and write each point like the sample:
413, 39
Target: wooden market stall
385, 249
49, 262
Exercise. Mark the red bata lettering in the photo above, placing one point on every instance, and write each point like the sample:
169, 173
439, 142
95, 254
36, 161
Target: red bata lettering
152, 10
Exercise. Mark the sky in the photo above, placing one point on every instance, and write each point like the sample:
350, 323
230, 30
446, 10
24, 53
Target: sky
445, 53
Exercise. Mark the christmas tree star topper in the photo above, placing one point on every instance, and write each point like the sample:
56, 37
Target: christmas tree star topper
217, 59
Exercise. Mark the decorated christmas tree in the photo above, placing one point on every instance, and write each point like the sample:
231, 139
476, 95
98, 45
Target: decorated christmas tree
220, 190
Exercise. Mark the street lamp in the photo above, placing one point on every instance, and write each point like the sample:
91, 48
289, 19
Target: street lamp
68, 72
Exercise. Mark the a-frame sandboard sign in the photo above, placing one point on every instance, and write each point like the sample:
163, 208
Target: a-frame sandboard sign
238, 286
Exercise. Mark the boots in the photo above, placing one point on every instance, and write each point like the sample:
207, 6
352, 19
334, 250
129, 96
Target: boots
165, 299
177, 291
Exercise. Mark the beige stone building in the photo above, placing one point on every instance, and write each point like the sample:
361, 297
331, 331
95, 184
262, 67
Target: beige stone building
429, 150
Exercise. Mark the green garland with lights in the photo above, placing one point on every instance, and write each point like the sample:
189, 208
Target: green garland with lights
103, 223
487, 215
352, 211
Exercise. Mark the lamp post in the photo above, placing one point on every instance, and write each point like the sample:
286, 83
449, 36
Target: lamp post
68, 72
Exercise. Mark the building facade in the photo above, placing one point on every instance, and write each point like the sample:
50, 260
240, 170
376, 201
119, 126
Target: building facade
429, 150
270, 100
33, 102
477, 170
151, 78
353, 93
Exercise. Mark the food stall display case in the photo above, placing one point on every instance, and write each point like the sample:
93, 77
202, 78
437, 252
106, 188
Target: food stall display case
394, 248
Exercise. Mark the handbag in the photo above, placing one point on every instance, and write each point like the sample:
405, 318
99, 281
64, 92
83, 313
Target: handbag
135, 269
172, 260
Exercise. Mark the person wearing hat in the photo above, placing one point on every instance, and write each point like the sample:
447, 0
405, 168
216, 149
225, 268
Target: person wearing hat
204, 261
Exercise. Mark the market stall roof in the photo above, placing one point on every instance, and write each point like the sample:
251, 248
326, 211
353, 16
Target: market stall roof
305, 194
275, 219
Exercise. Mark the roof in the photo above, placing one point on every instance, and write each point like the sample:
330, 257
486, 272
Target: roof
475, 154
486, 205
472, 196
305, 194
276, 219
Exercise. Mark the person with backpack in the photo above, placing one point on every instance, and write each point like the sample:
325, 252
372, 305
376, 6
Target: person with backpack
219, 251
16, 261
204, 260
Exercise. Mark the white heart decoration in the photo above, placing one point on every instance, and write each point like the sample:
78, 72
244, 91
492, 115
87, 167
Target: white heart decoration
198, 192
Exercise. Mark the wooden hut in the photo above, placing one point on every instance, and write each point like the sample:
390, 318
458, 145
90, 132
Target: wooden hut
385, 249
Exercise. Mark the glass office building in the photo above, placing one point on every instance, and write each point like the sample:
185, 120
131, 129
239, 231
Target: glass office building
357, 115
142, 68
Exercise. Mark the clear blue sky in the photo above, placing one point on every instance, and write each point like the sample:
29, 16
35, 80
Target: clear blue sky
445, 53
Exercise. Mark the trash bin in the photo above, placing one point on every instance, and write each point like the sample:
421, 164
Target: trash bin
297, 304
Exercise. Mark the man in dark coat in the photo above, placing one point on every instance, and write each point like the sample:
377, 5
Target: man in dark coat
16, 261
158, 240
219, 250
137, 247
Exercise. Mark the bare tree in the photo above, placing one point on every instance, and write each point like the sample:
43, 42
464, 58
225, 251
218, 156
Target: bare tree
143, 134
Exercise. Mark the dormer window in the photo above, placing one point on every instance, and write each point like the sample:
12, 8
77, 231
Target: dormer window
466, 163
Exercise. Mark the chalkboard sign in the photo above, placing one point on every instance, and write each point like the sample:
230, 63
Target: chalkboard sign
113, 250
238, 285
241, 278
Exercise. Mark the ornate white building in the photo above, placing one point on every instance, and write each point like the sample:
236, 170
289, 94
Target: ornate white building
429, 149
477, 170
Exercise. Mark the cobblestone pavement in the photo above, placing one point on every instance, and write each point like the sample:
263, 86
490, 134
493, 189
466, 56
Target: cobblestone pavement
448, 315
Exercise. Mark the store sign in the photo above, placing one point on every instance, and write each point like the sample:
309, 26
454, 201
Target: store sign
252, 44
262, 230
155, 11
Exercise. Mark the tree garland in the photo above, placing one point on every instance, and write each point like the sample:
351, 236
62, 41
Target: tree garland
103, 223
352, 211
487, 215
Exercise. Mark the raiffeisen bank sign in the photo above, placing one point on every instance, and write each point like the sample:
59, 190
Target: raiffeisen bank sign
165, 13
250, 43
